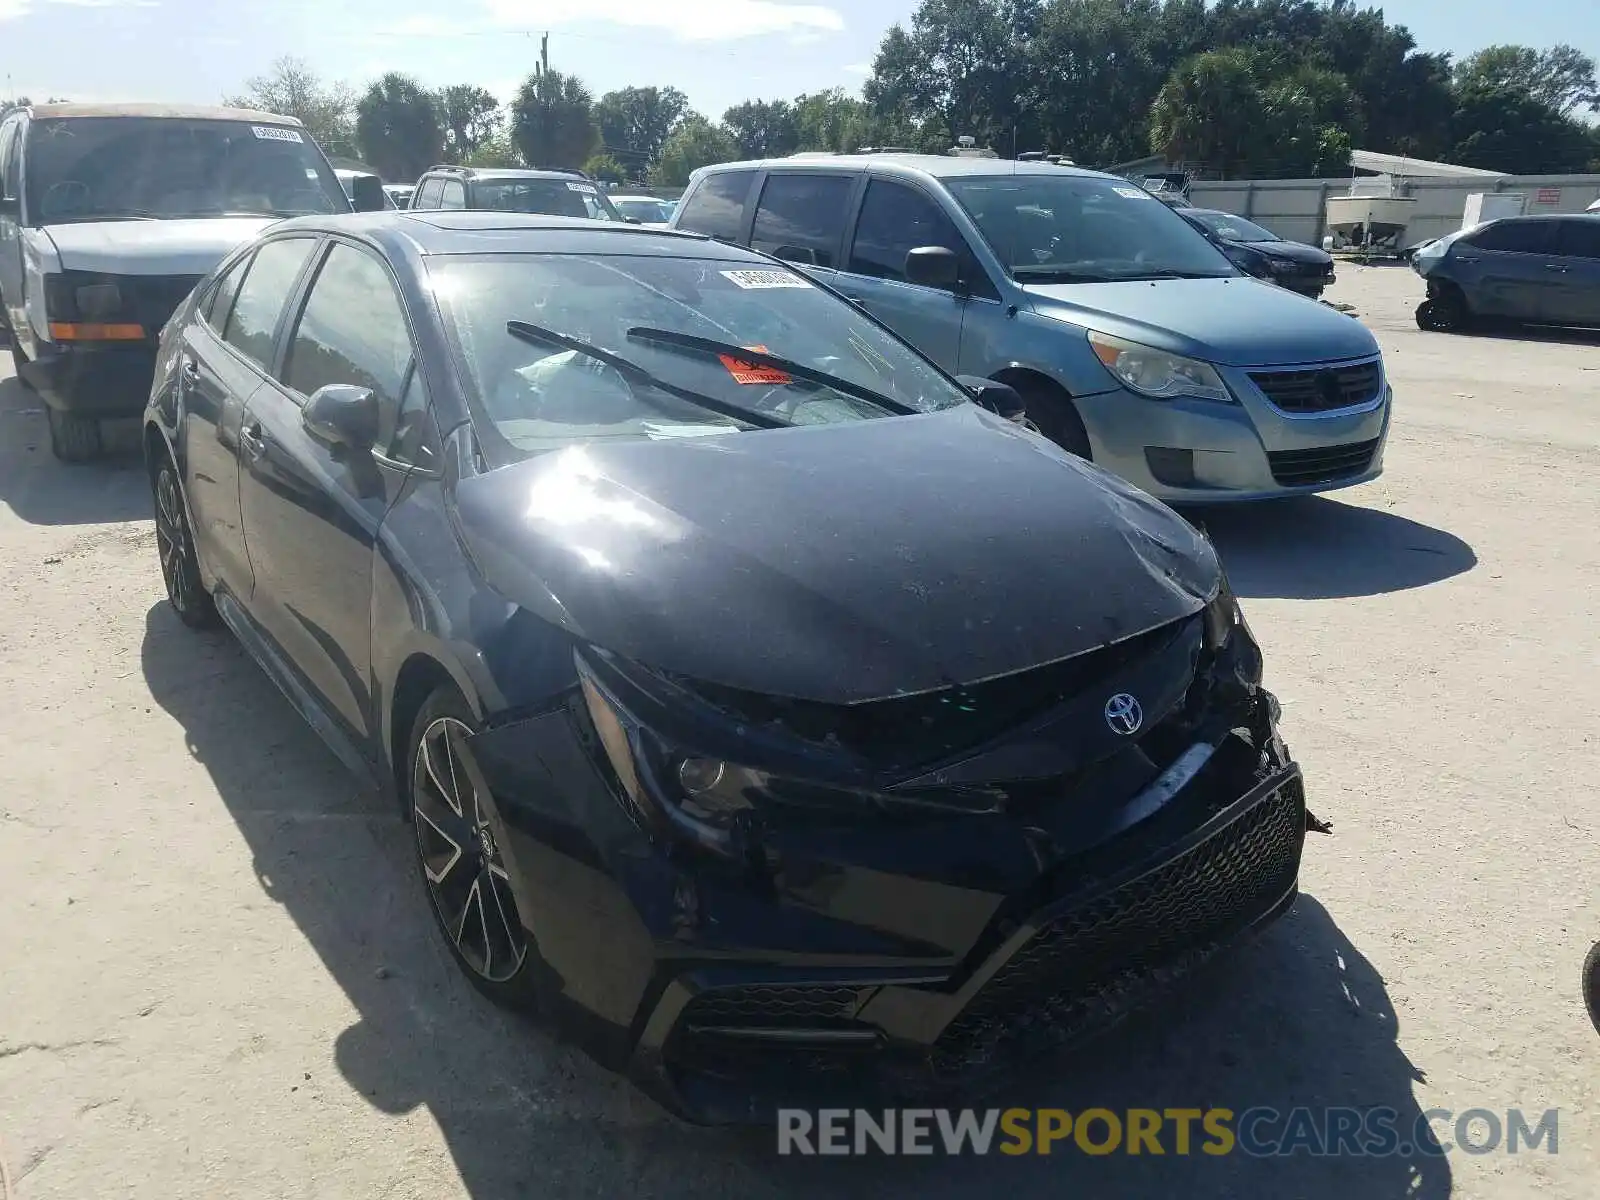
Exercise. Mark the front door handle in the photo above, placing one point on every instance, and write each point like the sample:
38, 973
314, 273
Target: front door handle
253, 440
1555, 267
191, 370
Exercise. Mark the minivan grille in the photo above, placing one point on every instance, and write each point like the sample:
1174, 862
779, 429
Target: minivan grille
1323, 464
1322, 389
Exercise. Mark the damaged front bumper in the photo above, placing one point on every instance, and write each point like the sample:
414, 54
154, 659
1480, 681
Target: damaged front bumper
917, 939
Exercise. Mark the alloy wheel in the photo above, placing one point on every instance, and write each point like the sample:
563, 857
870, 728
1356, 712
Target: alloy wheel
179, 570
462, 860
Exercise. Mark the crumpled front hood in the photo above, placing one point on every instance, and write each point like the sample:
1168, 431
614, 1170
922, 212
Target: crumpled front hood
186, 247
1239, 322
1293, 251
837, 563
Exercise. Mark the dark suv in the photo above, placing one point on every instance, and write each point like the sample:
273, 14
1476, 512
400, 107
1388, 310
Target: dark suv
553, 192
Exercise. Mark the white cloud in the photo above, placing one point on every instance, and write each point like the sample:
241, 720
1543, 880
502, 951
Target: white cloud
689, 20
12, 9
857, 68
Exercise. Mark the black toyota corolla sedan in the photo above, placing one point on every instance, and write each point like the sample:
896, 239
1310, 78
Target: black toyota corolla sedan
769, 713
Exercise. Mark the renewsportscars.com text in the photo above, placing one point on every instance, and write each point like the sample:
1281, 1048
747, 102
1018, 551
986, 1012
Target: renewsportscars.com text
1257, 1132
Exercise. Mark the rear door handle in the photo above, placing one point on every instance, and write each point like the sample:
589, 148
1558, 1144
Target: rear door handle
253, 440
1555, 267
191, 370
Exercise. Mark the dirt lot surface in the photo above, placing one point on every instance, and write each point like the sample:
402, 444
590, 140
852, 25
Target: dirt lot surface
217, 975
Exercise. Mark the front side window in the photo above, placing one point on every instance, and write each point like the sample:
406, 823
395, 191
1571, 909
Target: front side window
104, 168
268, 280
1065, 228
546, 197
536, 396
353, 331
717, 207
1515, 237
800, 217
895, 220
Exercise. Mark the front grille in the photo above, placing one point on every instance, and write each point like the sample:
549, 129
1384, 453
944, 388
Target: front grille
1126, 939
771, 1005
1324, 464
1322, 390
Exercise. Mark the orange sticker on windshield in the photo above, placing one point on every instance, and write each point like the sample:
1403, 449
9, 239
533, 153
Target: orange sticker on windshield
748, 372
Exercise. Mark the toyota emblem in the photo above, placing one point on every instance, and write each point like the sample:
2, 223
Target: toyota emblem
1124, 714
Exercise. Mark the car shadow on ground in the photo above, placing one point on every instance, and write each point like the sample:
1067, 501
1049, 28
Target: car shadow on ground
1507, 331
1315, 547
43, 491
1296, 1017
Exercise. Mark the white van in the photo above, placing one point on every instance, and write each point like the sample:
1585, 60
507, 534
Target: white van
110, 214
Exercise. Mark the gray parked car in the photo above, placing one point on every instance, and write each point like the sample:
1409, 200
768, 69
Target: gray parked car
1544, 270
1132, 339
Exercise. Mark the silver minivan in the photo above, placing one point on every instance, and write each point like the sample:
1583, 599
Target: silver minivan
1132, 340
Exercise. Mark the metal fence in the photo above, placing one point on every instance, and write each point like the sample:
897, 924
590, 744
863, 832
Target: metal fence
1296, 208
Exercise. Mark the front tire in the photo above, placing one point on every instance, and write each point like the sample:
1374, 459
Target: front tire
460, 854
1443, 312
1052, 411
180, 567
1591, 985
74, 438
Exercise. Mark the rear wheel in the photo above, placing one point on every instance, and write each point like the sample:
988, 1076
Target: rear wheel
1591, 985
73, 438
1052, 410
460, 852
180, 568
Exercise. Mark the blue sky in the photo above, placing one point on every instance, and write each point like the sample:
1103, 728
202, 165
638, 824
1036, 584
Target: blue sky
717, 51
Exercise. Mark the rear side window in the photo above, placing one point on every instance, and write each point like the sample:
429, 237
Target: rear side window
454, 195
427, 196
717, 206
800, 217
267, 284
220, 301
1580, 238
1516, 237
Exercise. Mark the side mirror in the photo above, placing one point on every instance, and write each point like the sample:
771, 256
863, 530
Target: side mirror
632, 221
805, 256
342, 416
999, 398
934, 266
367, 195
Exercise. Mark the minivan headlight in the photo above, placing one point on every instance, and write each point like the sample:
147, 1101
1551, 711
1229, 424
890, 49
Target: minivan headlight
1156, 373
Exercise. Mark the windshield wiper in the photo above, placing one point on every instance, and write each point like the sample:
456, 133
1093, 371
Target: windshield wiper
634, 373
760, 358
1058, 274
1145, 276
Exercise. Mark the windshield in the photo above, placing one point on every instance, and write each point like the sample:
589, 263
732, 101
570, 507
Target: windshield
1084, 229
101, 168
1234, 229
643, 209
547, 197
657, 313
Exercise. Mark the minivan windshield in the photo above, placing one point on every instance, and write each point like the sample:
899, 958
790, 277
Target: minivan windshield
672, 329
1062, 228
105, 168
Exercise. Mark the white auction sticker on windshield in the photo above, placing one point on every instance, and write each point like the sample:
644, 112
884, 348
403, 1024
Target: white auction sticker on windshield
756, 280
1133, 193
586, 188
273, 133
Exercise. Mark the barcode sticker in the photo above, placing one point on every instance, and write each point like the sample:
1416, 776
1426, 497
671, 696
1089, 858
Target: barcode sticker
1133, 193
756, 280
586, 188
276, 133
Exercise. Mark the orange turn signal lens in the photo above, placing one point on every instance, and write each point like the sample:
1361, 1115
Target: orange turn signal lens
64, 331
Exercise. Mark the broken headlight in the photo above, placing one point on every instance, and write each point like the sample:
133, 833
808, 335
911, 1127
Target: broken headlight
1222, 617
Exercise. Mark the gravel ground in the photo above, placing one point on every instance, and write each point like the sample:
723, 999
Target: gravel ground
217, 976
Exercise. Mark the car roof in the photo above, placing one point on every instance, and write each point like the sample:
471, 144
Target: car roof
182, 112
479, 174
935, 166
472, 231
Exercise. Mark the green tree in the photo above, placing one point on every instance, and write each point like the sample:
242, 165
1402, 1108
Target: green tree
606, 168
696, 143
1505, 129
292, 89
398, 127
552, 120
470, 115
636, 122
497, 150
1562, 77
1209, 111
763, 128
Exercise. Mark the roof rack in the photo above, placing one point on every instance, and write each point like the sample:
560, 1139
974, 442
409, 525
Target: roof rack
457, 167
